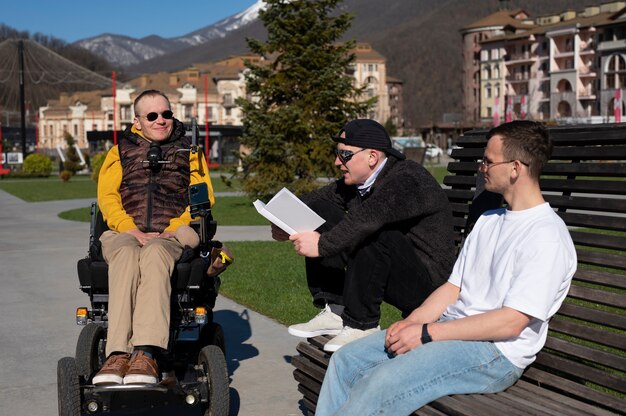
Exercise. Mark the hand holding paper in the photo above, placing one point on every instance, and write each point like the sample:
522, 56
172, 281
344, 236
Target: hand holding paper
289, 213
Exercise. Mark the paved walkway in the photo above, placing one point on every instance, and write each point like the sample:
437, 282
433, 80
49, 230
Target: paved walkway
38, 254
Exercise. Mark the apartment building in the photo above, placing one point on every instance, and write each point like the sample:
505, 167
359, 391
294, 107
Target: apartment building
207, 92
567, 68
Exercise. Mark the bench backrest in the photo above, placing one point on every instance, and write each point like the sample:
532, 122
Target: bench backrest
585, 182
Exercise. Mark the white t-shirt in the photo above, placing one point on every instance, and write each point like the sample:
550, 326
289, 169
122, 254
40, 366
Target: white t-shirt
523, 260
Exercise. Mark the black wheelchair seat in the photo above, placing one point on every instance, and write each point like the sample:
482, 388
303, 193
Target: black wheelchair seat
189, 272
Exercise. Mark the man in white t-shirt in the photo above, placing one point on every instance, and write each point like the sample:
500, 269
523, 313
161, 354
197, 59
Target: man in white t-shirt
485, 325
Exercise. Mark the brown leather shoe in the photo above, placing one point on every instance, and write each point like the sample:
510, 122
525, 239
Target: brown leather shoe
142, 370
113, 370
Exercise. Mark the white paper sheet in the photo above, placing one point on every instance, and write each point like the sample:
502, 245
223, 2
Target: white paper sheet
289, 213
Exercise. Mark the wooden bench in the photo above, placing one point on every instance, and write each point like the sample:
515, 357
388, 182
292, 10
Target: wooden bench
582, 368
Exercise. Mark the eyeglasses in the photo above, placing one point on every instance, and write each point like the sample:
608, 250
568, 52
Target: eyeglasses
167, 115
485, 164
345, 155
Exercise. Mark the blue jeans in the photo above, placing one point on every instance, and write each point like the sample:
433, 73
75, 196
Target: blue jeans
363, 379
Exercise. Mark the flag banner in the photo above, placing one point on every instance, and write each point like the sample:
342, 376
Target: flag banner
509, 109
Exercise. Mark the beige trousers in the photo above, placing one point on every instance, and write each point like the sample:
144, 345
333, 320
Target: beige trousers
139, 290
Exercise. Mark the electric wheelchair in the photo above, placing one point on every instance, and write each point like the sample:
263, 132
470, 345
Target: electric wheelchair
194, 375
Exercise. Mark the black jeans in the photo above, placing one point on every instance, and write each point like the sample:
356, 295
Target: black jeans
384, 267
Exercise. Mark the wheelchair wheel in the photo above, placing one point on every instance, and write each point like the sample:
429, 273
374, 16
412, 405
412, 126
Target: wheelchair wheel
67, 387
90, 354
216, 337
213, 364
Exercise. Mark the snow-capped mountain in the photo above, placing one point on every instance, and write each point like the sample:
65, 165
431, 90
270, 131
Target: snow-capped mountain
126, 51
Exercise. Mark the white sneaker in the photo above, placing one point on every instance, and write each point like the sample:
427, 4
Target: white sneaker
325, 323
346, 335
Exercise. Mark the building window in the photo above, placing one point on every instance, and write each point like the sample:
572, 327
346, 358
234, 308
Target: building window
187, 111
488, 91
75, 130
496, 72
125, 113
615, 72
569, 46
228, 100
487, 72
497, 90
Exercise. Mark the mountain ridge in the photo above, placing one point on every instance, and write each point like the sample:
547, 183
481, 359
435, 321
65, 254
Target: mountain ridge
420, 39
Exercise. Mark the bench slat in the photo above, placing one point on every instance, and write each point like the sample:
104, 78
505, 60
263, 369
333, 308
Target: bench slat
575, 369
586, 353
586, 203
596, 258
456, 406
584, 186
574, 153
600, 277
616, 169
591, 239
599, 296
310, 368
603, 222
573, 389
609, 319
537, 404
551, 398
578, 153
588, 333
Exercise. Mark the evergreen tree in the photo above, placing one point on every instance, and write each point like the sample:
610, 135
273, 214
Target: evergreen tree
72, 160
300, 94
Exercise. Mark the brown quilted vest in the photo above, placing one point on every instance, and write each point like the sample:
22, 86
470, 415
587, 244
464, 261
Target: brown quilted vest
152, 198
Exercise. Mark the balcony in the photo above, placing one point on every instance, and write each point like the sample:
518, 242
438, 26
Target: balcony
586, 73
587, 93
520, 77
569, 96
612, 45
519, 58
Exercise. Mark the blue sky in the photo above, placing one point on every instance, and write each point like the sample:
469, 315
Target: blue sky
72, 20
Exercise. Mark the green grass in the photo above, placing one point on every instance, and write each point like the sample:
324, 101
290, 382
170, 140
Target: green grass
228, 210
50, 189
268, 277
79, 187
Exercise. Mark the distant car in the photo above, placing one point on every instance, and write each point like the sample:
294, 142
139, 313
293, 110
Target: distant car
433, 151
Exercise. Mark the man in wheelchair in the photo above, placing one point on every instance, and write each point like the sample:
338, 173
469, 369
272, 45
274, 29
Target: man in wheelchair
143, 196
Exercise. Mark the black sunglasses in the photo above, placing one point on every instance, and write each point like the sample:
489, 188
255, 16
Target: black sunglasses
345, 155
167, 115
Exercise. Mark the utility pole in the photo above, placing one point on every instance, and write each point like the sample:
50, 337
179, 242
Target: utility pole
20, 50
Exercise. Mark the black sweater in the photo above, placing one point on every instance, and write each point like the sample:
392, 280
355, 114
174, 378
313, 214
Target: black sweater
406, 197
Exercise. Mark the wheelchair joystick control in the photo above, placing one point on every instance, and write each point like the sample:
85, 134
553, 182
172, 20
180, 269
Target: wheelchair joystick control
154, 157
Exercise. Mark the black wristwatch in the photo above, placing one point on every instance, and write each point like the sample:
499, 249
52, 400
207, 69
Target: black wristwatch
425, 335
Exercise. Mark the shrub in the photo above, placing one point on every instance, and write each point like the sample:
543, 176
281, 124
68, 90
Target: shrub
96, 163
65, 175
37, 165
72, 160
